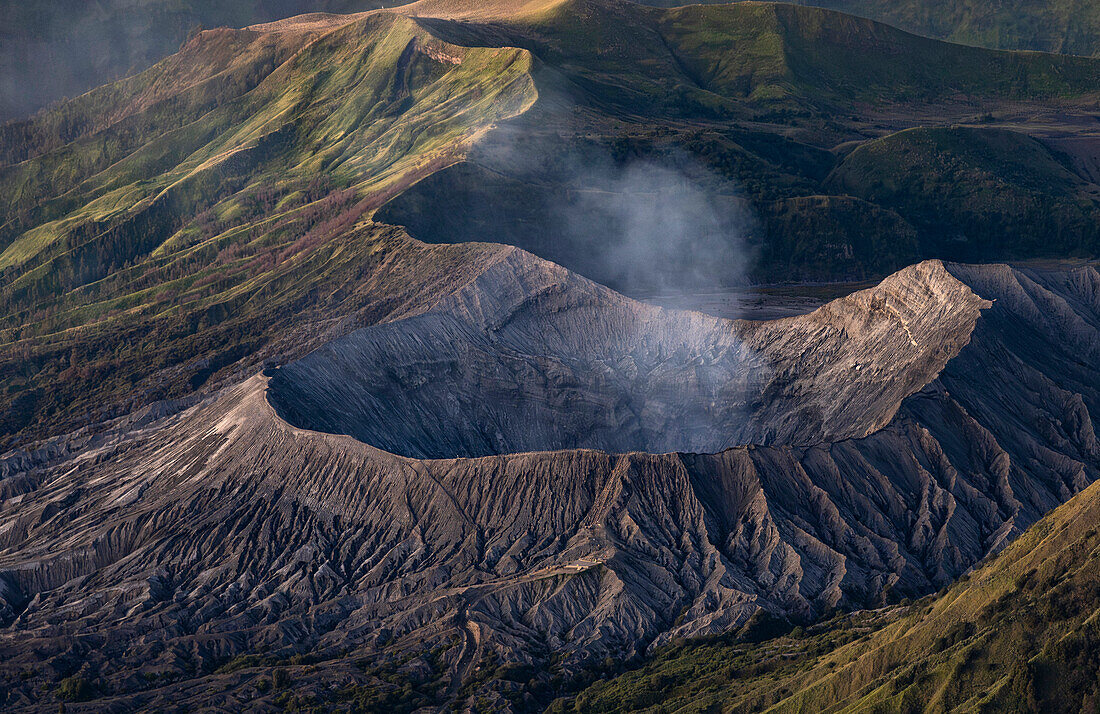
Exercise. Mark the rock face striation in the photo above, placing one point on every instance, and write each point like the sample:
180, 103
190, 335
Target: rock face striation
539, 467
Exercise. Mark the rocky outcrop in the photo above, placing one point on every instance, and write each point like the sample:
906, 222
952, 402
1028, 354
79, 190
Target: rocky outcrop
880, 446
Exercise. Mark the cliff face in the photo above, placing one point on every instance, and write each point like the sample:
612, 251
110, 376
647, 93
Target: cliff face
878, 448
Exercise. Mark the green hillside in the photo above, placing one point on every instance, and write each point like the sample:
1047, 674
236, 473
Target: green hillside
768, 48
1064, 26
1018, 635
63, 48
1059, 26
712, 58
767, 99
183, 219
982, 190
57, 49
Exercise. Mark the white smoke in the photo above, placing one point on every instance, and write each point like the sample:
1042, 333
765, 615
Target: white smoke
658, 225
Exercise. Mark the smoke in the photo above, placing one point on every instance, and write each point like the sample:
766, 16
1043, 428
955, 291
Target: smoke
636, 215
663, 224
657, 225
644, 220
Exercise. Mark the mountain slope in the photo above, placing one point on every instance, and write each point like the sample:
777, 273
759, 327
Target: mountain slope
1016, 635
53, 50
62, 49
1065, 26
1059, 26
757, 104
731, 51
827, 51
161, 217
995, 190
443, 464
225, 531
182, 216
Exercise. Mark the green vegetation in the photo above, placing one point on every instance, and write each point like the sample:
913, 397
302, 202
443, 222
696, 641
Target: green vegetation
822, 237
1066, 26
789, 108
75, 689
161, 230
771, 51
62, 48
1017, 635
985, 191
709, 60
1062, 26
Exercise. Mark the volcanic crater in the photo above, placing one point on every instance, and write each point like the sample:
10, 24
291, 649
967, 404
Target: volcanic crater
534, 358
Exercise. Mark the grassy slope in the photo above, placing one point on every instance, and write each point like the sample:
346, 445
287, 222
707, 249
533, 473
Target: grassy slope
50, 50
1019, 634
1062, 26
1066, 26
789, 49
151, 229
760, 94
626, 54
994, 190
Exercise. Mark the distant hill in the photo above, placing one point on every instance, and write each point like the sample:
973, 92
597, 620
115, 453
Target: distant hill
1065, 26
770, 99
994, 188
1062, 26
63, 48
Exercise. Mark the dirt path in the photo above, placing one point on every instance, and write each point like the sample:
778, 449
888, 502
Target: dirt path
471, 648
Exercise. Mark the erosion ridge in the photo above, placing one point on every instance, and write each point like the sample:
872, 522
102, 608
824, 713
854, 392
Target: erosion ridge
1017, 634
177, 544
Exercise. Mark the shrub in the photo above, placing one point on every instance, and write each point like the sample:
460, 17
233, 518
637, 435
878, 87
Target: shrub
75, 689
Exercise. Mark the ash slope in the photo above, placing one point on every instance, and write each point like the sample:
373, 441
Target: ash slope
225, 529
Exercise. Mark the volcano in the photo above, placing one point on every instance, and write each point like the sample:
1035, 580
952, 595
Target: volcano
383, 495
